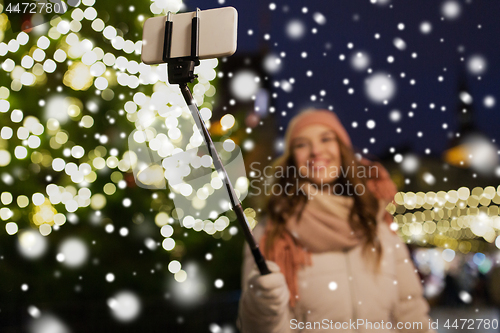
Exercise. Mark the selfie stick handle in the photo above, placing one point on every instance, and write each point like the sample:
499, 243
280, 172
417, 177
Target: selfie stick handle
181, 71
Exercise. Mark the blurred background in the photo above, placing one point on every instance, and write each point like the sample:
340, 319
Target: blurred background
84, 246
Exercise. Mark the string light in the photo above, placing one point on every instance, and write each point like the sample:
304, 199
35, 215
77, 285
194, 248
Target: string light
450, 219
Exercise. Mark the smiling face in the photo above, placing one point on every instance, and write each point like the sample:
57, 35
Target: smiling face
317, 153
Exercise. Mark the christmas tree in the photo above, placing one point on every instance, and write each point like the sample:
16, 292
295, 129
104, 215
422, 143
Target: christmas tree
87, 246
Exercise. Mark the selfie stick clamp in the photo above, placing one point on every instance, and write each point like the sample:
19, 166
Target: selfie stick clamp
181, 72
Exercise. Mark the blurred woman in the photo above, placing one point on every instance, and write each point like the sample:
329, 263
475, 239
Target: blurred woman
335, 263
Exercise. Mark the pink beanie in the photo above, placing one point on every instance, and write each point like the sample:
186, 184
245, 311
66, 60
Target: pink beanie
311, 117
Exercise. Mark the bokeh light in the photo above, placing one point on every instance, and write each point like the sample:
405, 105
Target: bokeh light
451, 9
379, 87
295, 29
244, 85
125, 306
31, 244
74, 252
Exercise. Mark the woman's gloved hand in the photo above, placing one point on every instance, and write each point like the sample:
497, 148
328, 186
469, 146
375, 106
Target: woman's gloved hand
268, 295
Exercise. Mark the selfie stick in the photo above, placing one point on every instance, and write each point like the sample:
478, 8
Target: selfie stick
181, 72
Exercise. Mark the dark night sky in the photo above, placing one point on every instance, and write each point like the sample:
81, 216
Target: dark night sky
357, 22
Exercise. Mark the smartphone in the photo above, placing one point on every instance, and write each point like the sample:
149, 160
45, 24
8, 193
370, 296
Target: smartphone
218, 33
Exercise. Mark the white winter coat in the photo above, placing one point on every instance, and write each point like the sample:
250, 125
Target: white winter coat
341, 293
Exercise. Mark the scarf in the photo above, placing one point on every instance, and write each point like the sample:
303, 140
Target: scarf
323, 226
